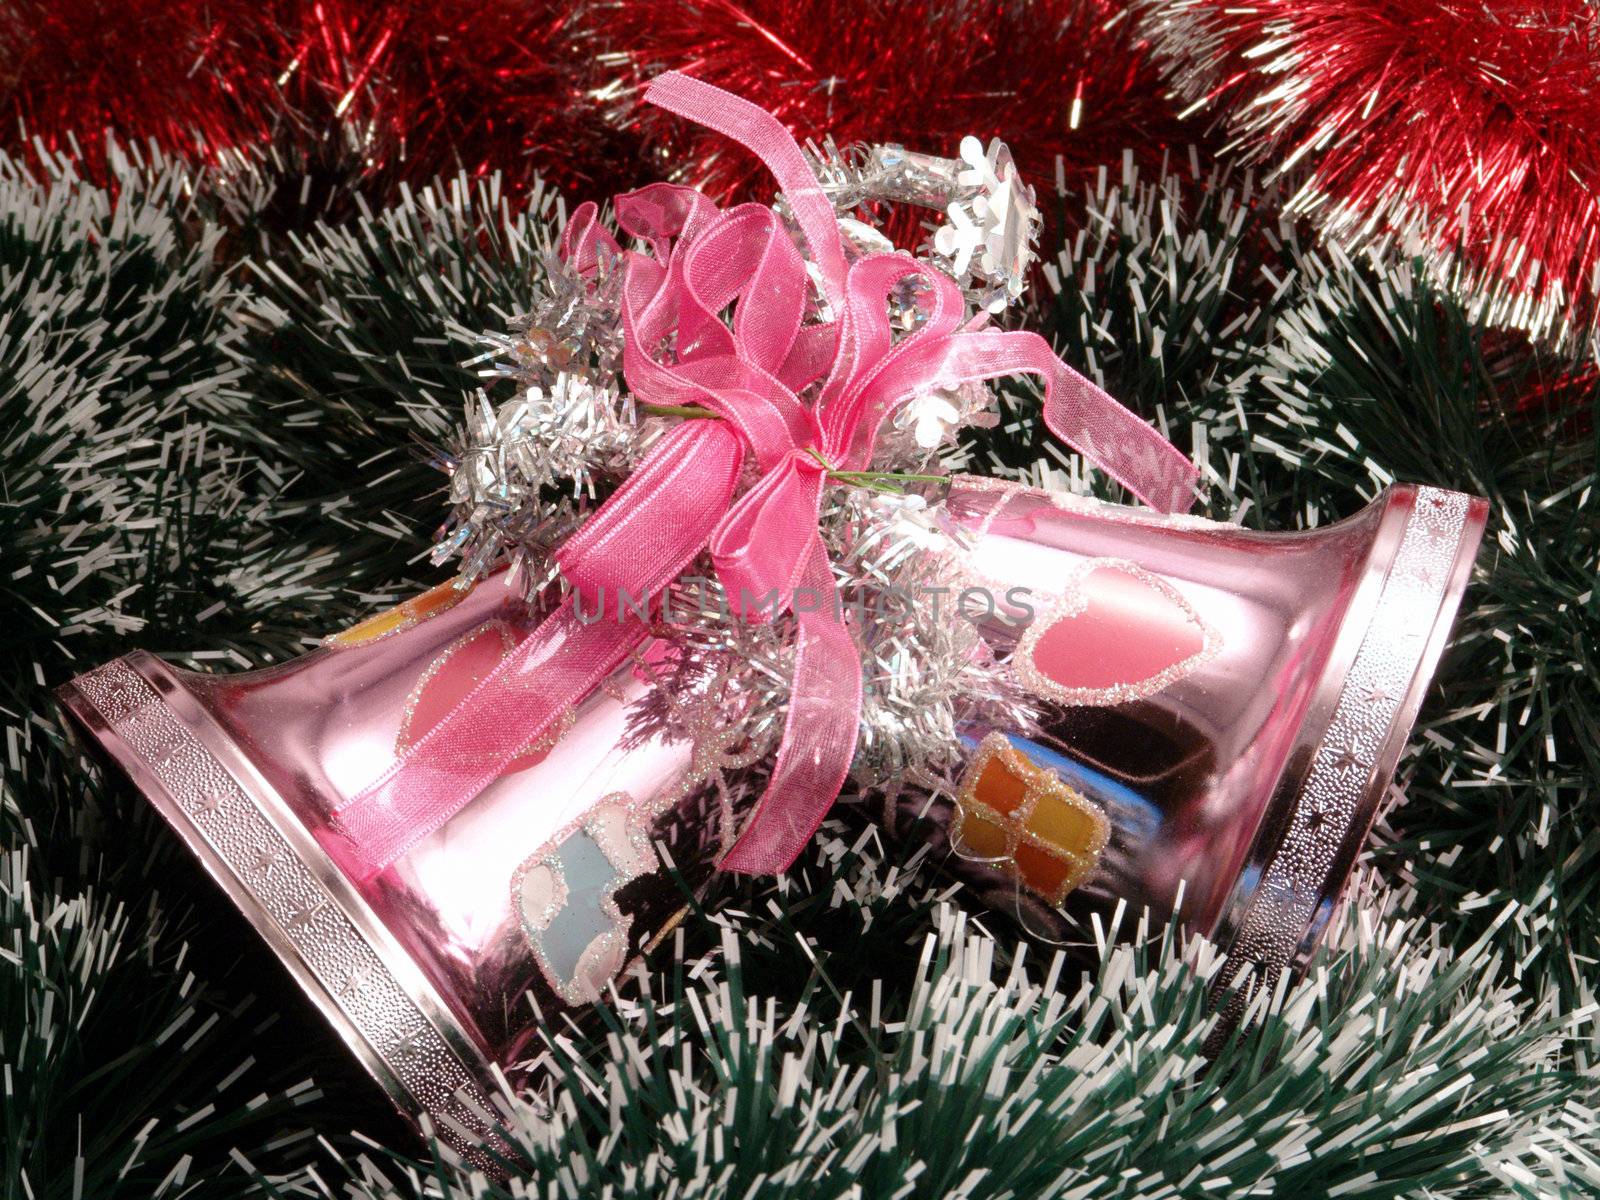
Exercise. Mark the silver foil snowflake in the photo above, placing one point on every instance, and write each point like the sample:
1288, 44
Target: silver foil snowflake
991, 226
990, 223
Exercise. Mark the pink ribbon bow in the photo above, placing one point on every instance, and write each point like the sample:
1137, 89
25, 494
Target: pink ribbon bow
682, 498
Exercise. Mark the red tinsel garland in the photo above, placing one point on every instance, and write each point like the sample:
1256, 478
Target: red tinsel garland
409, 89
406, 89
72, 68
1052, 77
1460, 129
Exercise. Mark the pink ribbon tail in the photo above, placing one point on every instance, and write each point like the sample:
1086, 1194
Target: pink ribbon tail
1114, 438
819, 731
764, 135
555, 666
638, 542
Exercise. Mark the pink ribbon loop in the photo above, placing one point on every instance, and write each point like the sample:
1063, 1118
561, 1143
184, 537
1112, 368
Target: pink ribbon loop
764, 135
758, 549
681, 500
585, 242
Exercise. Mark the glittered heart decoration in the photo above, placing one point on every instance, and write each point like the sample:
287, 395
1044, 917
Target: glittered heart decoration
1117, 633
456, 672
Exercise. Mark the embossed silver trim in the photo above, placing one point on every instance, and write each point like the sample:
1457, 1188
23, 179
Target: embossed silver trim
1355, 757
333, 945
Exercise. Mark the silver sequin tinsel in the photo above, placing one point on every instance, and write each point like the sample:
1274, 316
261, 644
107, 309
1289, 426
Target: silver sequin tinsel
525, 471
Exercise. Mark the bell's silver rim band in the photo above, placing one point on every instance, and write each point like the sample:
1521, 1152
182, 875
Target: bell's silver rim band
1350, 749
353, 970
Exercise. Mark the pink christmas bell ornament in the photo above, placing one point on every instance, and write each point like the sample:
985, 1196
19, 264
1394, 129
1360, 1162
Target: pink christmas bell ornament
457, 805
1227, 727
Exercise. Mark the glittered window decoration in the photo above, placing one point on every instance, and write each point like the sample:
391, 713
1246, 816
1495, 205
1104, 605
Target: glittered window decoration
564, 896
1025, 820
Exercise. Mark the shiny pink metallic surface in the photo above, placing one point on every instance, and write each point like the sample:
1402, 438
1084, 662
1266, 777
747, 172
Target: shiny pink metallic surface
1235, 702
326, 724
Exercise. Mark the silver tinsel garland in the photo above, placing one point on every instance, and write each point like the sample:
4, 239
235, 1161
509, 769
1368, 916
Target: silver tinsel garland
525, 471
926, 670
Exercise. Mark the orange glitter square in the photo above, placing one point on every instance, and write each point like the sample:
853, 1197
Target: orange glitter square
1046, 874
1000, 787
1027, 821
